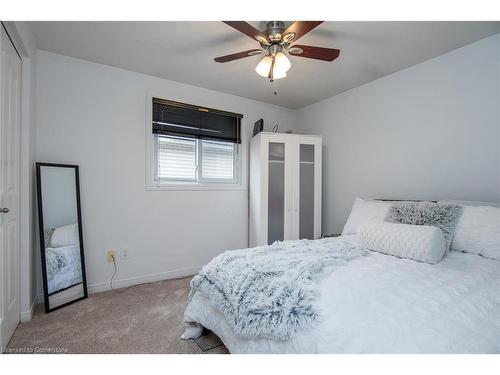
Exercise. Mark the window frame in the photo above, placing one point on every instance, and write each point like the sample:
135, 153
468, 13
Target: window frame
153, 183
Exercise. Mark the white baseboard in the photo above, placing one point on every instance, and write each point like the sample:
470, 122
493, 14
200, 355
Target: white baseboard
26, 316
123, 283
101, 287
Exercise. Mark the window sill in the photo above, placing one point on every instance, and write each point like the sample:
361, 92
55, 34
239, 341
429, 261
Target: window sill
196, 187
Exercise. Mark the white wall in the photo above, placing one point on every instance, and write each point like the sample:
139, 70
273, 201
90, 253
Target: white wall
431, 131
94, 115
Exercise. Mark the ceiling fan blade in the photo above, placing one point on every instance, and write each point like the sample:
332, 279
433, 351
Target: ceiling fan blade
247, 29
312, 52
239, 55
300, 28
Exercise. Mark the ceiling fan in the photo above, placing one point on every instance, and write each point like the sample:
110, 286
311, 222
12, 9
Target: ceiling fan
276, 40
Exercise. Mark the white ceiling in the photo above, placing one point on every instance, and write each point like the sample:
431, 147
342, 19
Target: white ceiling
184, 52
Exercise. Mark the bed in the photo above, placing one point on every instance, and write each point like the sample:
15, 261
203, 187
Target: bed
69, 273
62, 255
385, 304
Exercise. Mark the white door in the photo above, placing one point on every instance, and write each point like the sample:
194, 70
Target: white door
10, 113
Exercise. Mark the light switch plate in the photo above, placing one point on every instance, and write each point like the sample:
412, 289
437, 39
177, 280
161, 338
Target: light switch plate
124, 253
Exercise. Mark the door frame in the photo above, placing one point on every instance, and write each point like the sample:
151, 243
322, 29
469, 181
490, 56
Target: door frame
14, 206
27, 224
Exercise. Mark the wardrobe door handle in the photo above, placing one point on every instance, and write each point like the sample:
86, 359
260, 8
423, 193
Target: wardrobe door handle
4, 210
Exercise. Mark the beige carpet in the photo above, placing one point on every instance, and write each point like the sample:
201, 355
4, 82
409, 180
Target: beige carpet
144, 319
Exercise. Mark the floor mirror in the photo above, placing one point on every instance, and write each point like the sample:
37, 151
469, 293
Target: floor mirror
61, 241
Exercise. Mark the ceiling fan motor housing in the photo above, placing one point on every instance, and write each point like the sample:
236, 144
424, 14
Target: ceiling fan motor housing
274, 49
279, 42
274, 30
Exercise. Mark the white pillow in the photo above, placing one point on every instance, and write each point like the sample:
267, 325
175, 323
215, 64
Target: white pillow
65, 236
471, 203
423, 243
478, 231
366, 211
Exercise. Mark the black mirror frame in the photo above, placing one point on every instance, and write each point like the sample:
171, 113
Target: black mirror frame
42, 234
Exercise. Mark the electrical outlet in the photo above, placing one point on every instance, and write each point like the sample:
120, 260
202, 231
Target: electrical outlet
111, 255
124, 253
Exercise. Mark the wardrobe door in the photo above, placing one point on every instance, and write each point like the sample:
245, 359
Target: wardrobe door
308, 218
306, 191
276, 191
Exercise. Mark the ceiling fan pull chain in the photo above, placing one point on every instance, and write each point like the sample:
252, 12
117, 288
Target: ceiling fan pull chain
273, 87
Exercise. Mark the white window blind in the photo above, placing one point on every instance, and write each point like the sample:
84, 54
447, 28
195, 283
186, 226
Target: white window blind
176, 158
217, 160
194, 160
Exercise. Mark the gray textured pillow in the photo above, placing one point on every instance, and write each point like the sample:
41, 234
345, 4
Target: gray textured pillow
47, 236
442, 215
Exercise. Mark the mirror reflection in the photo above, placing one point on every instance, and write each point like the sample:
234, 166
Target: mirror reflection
62, 252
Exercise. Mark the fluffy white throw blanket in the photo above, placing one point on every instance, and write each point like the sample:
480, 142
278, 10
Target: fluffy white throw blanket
268, 291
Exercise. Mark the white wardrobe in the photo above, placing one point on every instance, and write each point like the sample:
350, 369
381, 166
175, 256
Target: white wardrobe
285, 187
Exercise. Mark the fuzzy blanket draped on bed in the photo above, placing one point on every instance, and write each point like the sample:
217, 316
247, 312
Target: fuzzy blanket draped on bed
269, 291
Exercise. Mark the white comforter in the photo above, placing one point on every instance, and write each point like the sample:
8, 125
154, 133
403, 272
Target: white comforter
383, 304
71, 272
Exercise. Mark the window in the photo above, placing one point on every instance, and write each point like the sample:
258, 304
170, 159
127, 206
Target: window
175, 158
194, 160
193, 145
217, 160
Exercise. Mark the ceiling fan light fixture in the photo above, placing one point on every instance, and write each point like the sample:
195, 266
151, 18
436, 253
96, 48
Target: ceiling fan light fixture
281, 63
278, 74
264, 66
280, 67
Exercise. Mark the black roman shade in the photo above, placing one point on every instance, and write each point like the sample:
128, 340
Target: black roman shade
173, 118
